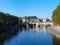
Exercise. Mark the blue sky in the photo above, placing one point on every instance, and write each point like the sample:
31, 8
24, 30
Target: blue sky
39, 8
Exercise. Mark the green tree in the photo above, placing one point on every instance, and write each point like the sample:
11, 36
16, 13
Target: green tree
56, 16
6, 18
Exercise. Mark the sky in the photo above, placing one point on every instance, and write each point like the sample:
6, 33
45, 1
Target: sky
20, 8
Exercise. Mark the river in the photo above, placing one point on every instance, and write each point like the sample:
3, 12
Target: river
37, 36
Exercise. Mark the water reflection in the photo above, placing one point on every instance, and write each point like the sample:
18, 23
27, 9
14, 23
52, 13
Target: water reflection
31, 37
7, 34
37, 28
56, 41
55, 37
28, 36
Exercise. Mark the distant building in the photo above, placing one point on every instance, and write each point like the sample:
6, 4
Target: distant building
32, 17
29, 19
36, 20
23, 19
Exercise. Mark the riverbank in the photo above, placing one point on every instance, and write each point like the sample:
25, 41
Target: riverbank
55, 31
57, 28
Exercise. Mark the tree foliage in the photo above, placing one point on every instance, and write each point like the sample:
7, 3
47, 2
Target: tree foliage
56, 16
6, 18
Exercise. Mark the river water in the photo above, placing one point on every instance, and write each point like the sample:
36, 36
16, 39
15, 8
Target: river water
32, 37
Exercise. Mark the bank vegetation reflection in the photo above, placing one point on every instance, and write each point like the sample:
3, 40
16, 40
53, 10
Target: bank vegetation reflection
8, 33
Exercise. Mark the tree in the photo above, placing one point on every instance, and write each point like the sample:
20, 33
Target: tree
56, 16
6, 18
